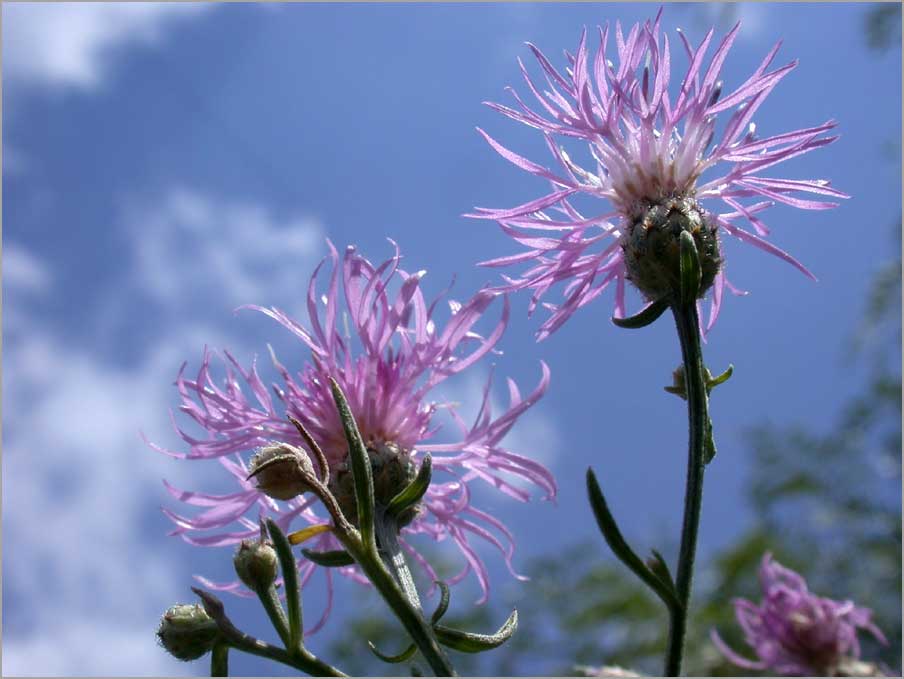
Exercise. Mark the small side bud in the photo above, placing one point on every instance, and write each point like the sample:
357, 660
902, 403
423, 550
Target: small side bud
186, 632
256, 564
282, 471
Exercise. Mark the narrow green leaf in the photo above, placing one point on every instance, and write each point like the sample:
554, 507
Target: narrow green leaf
332, 559
467, 642
612, 535
645, 317
361, 472
690, 268
709, 444
443, 603
290, 581
407, 654
719, 379
660, 569
414, 491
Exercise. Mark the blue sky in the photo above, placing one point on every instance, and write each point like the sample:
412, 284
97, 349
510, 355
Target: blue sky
164, 164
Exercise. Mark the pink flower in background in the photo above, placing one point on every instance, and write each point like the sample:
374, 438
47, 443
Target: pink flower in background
795, 632
380, 340
643, 146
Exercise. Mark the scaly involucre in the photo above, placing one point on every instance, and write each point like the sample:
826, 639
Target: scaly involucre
795, 632
645, 146
387, 353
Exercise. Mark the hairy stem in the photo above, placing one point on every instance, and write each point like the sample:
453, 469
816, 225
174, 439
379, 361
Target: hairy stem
270, 600
407, 611
687, 324
387, 529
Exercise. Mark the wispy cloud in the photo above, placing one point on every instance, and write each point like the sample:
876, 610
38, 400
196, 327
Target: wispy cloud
74, 44
23, 271
193, 246
80, 487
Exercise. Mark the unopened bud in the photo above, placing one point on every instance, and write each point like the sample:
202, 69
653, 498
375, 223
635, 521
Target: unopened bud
392, 470
652, 247
282, 471
256, 564
187, 632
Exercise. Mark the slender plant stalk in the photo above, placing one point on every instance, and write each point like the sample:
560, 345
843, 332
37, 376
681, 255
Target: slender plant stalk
272, 605
301, 659
408, 613
219, 660
388, 544
687, 322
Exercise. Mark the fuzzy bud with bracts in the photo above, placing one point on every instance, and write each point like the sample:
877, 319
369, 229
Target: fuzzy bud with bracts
651, 246
187, 632
282, 471
256, 564
393, 470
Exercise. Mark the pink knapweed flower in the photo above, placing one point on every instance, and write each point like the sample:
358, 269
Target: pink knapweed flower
646, 147
387, 351
793, 631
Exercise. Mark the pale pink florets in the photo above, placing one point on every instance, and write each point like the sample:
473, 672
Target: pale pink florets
380, 340
644, 146
795, 632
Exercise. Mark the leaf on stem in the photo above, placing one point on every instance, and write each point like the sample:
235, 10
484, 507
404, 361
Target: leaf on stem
290, 580
332, 559
468, 642
407, 654
660, 569
414, 491
612, 535
646, 316
443, 603
361, 471
690, 268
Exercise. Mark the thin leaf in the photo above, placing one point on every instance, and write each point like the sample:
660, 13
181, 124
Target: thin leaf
467, 642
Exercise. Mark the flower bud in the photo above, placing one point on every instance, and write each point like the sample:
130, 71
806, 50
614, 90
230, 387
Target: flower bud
256, 564
392, 470
282, 471
652, 248
187, 632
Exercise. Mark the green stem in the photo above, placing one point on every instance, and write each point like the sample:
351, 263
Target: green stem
408, 613
306, 661
270, 600
687, 322
302, 659
219, 660
387, 530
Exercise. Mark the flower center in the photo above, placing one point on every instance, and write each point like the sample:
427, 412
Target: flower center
392, 469
651, 245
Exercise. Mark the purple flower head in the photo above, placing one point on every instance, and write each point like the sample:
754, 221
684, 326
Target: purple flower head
795, 632
387, 351
647, 148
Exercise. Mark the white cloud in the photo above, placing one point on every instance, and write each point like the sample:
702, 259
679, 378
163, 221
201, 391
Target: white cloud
69, 43
23, 271
192, 246
79, 484
106, 648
